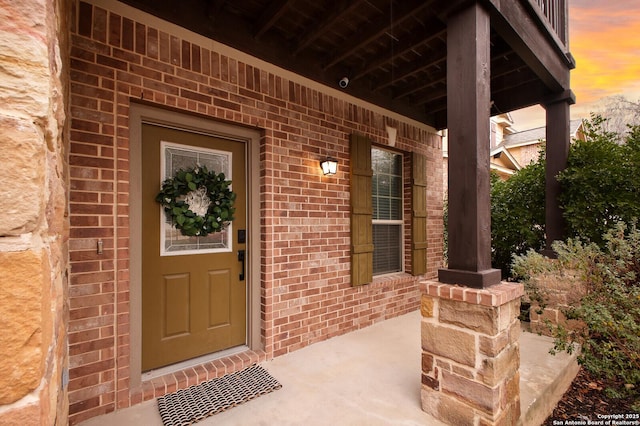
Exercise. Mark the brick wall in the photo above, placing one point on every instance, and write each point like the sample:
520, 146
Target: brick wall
304, 216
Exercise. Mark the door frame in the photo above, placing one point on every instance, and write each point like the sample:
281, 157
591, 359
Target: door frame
143, 113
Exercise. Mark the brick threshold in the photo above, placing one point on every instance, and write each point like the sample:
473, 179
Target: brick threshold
189, 376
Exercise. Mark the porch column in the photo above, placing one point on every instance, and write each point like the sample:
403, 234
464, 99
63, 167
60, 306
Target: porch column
468, 106
471, 353
557, 151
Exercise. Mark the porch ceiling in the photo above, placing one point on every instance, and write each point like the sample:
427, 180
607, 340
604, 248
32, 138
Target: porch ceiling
392, 51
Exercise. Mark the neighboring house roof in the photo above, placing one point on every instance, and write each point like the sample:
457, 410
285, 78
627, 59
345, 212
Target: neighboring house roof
508, 150
509, 157
531, 136
524, 138
505, 171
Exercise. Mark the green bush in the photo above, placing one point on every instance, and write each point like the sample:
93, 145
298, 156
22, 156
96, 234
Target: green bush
601, 184
517, 214
610, 310
600, 187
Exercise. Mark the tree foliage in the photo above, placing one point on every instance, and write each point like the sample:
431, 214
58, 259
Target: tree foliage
517, 214
601, 184
600, 187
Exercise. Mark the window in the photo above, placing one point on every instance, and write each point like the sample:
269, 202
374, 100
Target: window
387, 194
376, 201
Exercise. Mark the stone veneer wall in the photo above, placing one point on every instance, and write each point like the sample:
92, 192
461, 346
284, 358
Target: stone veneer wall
471, 353
558, 292
123, 55
33, 224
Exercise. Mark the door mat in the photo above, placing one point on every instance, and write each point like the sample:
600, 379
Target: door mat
188, 406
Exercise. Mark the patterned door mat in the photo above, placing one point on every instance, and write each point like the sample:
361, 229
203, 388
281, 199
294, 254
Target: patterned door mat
188, 406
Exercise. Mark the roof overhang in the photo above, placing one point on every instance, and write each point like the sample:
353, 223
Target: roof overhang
392, 52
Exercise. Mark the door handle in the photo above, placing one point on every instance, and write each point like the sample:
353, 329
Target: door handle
241, 257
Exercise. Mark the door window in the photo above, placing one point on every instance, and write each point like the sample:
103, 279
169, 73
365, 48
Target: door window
174, 158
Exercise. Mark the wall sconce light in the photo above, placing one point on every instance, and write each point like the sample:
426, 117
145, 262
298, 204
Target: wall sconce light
329, 166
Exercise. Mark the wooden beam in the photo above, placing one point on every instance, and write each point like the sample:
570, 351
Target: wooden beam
557, 152
439, 119
406, 10
528, 91
339, 10
468, 113
512, 21
527, 94
411, 69
433, 96
435, 78
214, 7
566, 96
502, 80
270, 16
510, 81
405, 46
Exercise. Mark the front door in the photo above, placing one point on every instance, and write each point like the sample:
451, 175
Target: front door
194, 296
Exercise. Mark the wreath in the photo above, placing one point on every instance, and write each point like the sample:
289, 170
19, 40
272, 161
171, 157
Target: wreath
198, 201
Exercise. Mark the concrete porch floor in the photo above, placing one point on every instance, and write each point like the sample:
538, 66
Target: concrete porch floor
368, 377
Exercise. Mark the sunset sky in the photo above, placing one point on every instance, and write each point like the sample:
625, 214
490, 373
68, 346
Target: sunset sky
605, 42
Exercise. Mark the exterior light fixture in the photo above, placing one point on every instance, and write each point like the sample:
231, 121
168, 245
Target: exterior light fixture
329, 166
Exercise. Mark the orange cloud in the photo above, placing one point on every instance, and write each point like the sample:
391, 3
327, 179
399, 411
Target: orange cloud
606, 46
605, 40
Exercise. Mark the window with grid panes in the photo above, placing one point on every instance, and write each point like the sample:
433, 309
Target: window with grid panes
387, 191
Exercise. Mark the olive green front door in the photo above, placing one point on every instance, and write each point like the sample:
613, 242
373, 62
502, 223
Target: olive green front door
194, 296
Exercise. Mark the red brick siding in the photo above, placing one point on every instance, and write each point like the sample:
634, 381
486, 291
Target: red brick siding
306, 295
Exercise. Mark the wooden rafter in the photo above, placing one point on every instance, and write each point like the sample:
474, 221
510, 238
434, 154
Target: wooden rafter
405, 46
377, 29
411, 69
270, 16
395, 58
340, 9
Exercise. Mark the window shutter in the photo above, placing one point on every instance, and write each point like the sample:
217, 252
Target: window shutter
361, 211
419, 214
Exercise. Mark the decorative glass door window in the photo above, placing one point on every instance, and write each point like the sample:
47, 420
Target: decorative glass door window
175, 157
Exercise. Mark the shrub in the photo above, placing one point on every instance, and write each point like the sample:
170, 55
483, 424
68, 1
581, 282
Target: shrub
600, 187
517, 214
610, 310
601, 184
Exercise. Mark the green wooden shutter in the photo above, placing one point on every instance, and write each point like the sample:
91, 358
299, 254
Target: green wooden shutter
419, 214
361, 211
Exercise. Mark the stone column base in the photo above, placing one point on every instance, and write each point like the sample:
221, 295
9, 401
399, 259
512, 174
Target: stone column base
471, 353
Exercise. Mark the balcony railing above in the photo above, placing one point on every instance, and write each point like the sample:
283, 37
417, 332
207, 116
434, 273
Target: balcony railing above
555, 14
